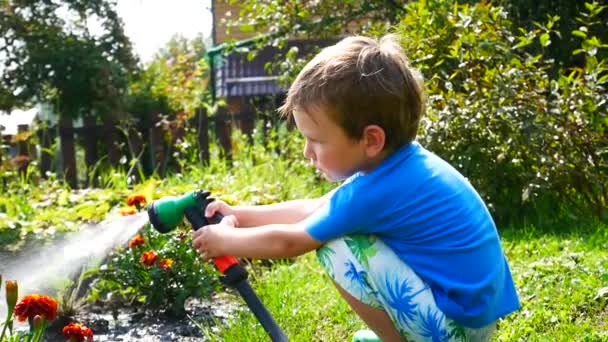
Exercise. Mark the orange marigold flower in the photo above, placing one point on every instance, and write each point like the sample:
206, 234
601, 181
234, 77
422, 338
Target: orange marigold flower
166, 264
75, 332
148, 258
32, 305
136, 241
136, 201
127, 211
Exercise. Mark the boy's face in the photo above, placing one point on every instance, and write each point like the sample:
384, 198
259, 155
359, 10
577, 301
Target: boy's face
327, 146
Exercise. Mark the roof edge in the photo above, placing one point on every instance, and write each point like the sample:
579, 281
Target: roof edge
238, 44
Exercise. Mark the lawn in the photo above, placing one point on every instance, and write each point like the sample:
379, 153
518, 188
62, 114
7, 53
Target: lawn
562, 282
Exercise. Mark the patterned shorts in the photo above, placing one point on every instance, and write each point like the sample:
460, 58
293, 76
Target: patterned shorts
371, 272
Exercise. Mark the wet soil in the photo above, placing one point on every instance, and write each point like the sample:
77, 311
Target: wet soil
133, 324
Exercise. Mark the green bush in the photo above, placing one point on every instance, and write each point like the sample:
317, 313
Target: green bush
526, 13
529, 143
157, 285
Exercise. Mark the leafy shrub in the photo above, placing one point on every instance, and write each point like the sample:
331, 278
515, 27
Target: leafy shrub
525, 13
135, 274
529, 143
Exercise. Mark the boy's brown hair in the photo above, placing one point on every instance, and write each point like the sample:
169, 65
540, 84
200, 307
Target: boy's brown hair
362, 81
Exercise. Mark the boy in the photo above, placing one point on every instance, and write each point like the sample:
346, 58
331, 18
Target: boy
407, 241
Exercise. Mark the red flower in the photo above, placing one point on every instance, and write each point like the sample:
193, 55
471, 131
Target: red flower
32, 305
75, 332
137, 201
127, 211
136, 241
148, 258
166, 264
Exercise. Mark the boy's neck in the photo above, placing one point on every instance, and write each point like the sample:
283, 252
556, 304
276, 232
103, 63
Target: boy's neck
372, 163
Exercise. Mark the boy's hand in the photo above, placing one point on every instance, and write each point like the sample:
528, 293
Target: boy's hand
218, 206
208, 240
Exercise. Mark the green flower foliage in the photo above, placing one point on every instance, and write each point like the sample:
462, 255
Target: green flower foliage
125, 278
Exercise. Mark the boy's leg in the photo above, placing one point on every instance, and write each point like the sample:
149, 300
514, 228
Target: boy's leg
376, 319
370, 272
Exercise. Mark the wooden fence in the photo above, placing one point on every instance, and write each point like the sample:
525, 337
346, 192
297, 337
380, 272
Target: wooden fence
150, 146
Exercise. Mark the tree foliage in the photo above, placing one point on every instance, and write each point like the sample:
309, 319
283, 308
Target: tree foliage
50, 53
175, 81
316, 19
165, 95
182, 73
279, 20
528, 14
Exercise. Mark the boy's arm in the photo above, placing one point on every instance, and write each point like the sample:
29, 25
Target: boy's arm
266, 242
289, 212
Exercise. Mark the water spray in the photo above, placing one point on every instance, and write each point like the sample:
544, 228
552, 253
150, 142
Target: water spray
43, 268
167, 213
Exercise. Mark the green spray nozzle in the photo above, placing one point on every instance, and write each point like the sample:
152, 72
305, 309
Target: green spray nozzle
168, 212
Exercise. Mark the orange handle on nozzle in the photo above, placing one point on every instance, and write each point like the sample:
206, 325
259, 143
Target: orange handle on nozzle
223, 263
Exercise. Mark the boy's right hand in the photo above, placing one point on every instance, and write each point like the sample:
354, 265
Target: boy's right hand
218, 206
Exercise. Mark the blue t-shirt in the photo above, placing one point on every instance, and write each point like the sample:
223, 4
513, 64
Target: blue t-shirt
432, 217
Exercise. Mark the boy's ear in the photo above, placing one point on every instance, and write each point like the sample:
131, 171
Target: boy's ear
374, 140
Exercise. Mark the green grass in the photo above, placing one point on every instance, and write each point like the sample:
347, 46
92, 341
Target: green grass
302, 300
558, 277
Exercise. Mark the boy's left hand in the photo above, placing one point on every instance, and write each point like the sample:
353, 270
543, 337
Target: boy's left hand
208, 240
